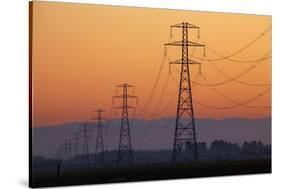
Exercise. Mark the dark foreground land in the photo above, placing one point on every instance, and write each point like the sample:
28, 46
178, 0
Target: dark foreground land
150, 172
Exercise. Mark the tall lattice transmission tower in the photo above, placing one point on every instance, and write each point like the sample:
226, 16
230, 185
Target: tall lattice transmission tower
85, 144
69, 147
76, 144
125, 154
65, 149
99, 151
185, 133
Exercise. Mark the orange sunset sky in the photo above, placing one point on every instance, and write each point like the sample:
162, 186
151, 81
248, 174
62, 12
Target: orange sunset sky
81, 52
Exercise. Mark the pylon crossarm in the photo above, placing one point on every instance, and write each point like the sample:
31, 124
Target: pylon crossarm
180, 62
184, 24
185, 43
121, 107
123, 96
125, 85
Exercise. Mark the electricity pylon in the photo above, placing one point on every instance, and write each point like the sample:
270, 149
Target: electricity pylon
76, 144
65, 149
185, 132
60, 152
85, 145
125, 145
99, 151
69, 147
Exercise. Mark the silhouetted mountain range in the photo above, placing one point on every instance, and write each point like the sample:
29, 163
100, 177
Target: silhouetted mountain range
155, 134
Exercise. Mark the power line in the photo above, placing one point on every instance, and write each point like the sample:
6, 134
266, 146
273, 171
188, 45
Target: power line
234, 78
144, 109
245, 103
238, 51
229, 99
162, 94
157, 107
236, 105
230, 59
239, 81
156, 112
234, 60
171, 100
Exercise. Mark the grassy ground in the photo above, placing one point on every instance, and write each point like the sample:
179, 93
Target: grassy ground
150, 172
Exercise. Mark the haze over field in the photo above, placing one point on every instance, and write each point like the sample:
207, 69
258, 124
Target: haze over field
156, 135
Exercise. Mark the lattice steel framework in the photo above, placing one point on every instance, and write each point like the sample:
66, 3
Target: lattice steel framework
85, 144
185, 132
125, 145
99, 151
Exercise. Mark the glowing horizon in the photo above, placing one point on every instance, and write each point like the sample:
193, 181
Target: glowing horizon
81, 52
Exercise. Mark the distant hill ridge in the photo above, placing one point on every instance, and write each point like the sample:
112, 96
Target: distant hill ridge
155, 134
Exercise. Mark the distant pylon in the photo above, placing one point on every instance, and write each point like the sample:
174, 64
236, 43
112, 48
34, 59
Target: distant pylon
69, 147
185, 132
60, 152
85, 145
65, 149
125, 145
99, 151
76, 144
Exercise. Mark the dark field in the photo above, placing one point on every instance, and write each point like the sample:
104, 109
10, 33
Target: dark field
150, 172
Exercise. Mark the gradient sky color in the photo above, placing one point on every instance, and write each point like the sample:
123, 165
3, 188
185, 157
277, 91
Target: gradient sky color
81, 52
